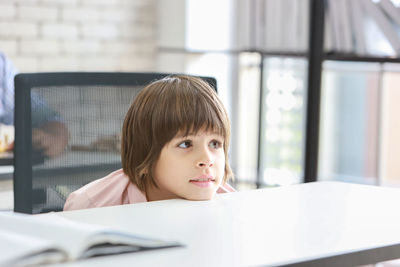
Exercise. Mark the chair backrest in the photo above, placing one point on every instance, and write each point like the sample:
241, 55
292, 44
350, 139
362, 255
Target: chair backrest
92, 107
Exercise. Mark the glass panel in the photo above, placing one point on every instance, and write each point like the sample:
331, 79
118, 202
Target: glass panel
282, 121
390, 133
349, 122
247, 116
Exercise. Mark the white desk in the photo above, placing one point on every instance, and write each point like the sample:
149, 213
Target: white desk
315, 224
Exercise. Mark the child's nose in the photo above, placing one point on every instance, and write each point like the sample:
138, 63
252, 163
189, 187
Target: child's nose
203, 164
205, 160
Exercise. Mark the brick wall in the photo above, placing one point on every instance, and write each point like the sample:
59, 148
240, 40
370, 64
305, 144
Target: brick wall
91, 112
79, 35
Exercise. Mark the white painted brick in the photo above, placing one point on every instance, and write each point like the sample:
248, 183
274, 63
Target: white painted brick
71, 113
88, 38
101, 31
103, 3
75, 139
127, 101
85, 140
37, 13
90, 111
62, 97
54, 107
80, 139
110, 113
101, 128
68, 92
137, 64
118, 15
74, 129
99, 63
18, 29
114, 112
59, 2
115, 15
7, 11
100, 95
137, 3
81, 112
81, 47
20, 1
143, 14
146, 47
128, 94
40, 47
80, 14
126, 47
26, 63
60, 30
123, 108
9, 47
135, 32
59, 63
147, 19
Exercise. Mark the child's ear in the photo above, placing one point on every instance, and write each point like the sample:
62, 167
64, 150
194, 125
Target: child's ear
143, 173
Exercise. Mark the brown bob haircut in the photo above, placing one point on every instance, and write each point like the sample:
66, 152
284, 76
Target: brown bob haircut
164, 108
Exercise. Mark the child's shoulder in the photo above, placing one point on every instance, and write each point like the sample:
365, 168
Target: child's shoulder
106, 191
225, 188
116, 177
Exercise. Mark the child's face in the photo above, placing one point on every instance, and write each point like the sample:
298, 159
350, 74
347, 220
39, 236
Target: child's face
191, 167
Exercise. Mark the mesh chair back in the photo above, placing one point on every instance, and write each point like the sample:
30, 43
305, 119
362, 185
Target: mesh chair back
92, 106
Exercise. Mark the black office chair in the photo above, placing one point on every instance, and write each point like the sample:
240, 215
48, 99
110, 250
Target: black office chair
92, 106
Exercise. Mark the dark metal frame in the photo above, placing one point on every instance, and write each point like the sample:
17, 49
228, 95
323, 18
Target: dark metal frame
22, 120
259, 180
315, 58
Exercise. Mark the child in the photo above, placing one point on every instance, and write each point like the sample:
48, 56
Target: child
175, 141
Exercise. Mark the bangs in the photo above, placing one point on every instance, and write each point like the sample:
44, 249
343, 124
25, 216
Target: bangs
186, 111
200, 116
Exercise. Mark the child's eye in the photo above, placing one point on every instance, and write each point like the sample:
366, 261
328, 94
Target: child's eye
185, 144
215, 144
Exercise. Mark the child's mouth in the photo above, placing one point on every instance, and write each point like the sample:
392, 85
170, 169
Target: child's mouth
202, 182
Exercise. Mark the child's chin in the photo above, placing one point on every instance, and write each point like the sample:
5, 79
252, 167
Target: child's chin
201, 197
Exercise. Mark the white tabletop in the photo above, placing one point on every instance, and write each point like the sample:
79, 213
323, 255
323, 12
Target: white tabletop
313, 224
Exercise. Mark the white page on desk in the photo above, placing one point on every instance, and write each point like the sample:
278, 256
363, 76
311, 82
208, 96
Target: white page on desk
51, 229
73, 237
21, 250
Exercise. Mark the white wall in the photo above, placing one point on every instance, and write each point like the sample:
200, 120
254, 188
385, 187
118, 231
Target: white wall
76, 35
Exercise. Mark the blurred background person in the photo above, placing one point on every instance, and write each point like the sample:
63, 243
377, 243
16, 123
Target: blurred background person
49, 133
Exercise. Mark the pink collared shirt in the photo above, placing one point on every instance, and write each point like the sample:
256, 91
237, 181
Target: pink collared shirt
114, 189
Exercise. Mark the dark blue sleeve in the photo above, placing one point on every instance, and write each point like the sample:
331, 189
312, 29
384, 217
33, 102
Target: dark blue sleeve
41, 111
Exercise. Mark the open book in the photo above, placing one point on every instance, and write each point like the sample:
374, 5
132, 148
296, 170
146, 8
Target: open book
30, 240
